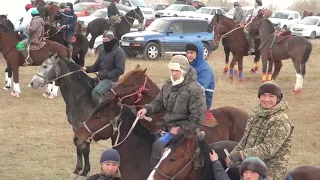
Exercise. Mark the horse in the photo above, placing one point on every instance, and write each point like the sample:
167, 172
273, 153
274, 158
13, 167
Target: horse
14, 58
226, 42
222, 25
80, 46
304, 173
74, 85
187, 157
306, 13
99, 25
274, 49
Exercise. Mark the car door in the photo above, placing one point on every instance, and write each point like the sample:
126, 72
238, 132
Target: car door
174, 38
318, 29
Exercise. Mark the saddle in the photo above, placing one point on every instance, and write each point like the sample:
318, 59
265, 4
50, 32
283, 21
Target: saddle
110, 21
210, 122
36, 47
281, 36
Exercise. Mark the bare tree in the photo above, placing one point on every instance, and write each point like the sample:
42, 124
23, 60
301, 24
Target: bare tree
310, 5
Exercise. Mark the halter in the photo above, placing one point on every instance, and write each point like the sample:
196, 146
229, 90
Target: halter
135, 16
137, 92
192, 160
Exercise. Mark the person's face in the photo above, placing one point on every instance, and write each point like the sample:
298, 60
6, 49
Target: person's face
67, 8
176, 74
268, 100
236, 7
191, 55
250, 175
110, 168
105, 39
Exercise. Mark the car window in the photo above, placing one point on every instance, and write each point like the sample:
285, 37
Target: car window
158, 25
91, 9
176, 28
194, 26
190, 8
213, 12
219, 11
99, 7
79, 7
296, 16
140, 3
125, 2
184, 8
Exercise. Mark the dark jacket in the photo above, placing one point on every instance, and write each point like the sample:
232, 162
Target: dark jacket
102, 177
69, 19
219, 172
112, 10
184, 104
109, 65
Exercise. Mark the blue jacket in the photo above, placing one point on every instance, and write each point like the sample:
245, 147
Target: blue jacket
69, 19
204, 72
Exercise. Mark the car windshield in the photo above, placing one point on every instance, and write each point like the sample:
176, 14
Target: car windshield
100, 14
279, 15
174, 7
140, 3
309, 21
79, 7
203, 11
158, 25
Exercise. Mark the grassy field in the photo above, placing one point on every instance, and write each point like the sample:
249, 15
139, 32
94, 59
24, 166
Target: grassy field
36, 139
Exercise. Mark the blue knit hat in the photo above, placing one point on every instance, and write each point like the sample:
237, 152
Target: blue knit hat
254, 164
110, 155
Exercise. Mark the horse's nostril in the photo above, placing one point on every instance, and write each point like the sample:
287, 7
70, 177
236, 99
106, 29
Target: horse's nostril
31, 83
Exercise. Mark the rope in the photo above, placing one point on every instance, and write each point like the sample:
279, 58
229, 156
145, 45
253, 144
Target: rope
225, 35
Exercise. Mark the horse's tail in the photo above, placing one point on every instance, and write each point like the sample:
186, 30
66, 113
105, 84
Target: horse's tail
88, 30
305, 58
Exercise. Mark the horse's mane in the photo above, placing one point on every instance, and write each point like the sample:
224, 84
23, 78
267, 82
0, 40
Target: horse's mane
126, 76
179, 139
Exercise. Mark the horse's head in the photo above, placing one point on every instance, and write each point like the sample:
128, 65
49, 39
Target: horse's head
183, 158
130, 88
4, 20
254, 25
105, 119
48, 70
221, 25
136, 14
306, 13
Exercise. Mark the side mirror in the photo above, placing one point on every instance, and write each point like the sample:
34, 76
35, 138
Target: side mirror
291, 18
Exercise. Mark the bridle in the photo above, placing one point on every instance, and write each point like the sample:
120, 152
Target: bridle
136, 16
193, 160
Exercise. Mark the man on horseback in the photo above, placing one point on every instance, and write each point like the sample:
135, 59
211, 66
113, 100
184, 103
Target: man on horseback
114, 15
68, 22
33, 36
110, 65
205, 74
257, 10
239, 15
183, 100
268, 134
26, 18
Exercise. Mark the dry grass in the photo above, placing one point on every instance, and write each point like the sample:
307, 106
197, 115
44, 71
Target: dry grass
36, 139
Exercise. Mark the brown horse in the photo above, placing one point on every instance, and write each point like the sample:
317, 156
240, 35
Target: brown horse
14, 58
305, 173
222, 25
188, 158
274, 49
306, 13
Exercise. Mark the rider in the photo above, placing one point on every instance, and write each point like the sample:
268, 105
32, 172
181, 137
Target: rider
68, 23
249, 36
33, 35
268, 134
239, 15
205, 75
26, 18
114, 15
182, 99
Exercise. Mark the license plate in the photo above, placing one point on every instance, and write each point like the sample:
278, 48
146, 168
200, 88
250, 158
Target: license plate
125, 44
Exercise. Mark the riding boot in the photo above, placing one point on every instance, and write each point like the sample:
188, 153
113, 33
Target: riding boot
28, 59
251, 43
70, 48
158, 146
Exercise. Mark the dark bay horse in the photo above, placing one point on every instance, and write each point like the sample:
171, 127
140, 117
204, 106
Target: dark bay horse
80, 47
14, 58
187, 157
234, 42
274, 50
99, 25
75, 87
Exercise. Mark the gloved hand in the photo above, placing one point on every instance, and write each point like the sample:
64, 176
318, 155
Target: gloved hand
241, 25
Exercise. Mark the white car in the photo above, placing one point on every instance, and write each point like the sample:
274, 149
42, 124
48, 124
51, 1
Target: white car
308, 27
247, 10
100, 13
285, 19
176, 10
206, 13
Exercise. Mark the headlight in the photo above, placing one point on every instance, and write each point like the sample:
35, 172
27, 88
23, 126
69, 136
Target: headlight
139, 39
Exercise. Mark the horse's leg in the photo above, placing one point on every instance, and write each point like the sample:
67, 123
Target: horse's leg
8, 76
76, 172
82, 55
299, 77
55, 89
227, 50
86, 153
255, 67
91, 43
231, 71
240, 64
16, 87
48, 91
270, 67
277, 68
264, 68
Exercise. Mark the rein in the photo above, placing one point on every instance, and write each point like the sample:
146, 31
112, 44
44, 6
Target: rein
136, 15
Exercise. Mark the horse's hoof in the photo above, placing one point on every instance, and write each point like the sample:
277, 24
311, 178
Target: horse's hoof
82, 178
73, 176
240, 80
51, 96
263, 81
14, 94
225, 70
231, 79
6, 88
296, 91
252, 71
256, 68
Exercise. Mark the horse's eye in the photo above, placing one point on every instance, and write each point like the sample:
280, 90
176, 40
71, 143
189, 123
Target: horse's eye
44, 66
172, 159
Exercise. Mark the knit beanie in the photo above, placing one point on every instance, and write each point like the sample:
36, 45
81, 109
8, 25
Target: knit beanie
110, 155
254, 164
109, 35
191, 47
35, 12
270, 87
179, 63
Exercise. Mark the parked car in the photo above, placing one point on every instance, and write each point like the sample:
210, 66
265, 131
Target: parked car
206, 13
86, 8
308, 27
159, 6
175, 10
167, 36
100, 13
285, 19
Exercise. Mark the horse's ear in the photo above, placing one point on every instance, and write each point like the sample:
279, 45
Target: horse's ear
144, 71
138, 66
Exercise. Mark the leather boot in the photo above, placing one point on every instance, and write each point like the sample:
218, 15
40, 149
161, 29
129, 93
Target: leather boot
25, 53
70, 48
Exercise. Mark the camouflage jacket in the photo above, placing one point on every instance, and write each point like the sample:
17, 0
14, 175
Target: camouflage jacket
35, 30
184, 104
268, 136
